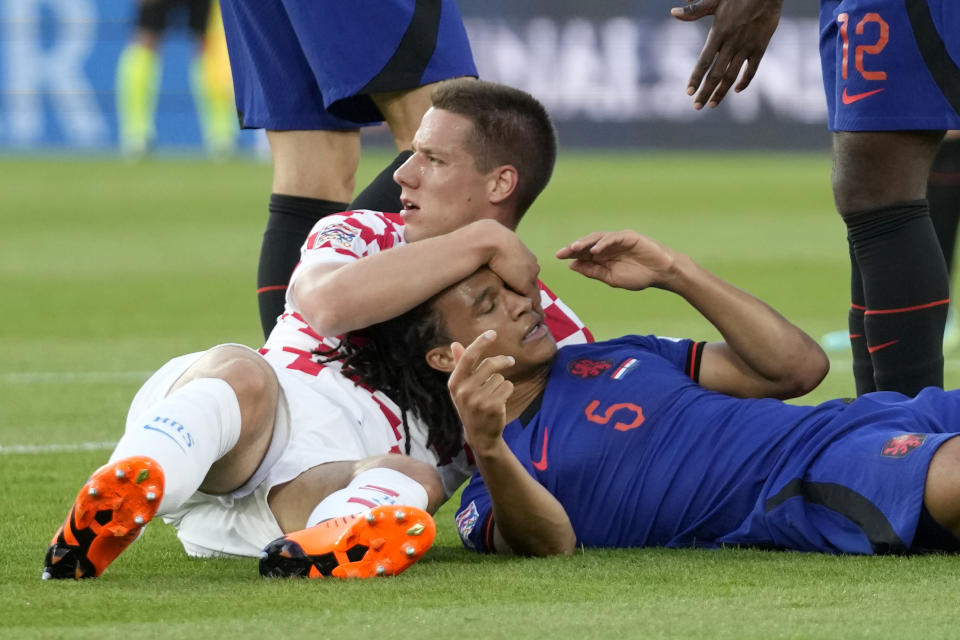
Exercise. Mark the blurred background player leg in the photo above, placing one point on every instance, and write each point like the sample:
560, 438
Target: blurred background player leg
299, 73
138, 78
210, 81
139, 72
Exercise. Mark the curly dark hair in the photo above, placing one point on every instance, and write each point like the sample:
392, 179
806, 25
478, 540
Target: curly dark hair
389, 357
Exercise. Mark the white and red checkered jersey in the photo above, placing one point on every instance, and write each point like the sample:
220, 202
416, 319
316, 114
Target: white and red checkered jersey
346, 237
350, 236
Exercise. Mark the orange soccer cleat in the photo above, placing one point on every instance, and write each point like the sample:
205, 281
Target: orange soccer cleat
111, 509
381, 542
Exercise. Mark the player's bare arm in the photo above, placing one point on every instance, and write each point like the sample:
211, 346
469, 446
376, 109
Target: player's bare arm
739, 35
528, 520
762, 355
337, 298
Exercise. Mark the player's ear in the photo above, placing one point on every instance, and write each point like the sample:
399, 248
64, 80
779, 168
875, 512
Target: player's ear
441, 359
503, 182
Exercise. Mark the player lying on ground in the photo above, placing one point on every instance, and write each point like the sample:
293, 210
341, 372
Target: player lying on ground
646, 441
235, 454
254, 446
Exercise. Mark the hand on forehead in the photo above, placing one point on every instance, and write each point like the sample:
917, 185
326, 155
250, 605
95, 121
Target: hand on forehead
472, 289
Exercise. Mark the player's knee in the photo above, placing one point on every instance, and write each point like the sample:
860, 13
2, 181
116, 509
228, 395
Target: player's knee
845, 196
855, 192
250, 377
876, 169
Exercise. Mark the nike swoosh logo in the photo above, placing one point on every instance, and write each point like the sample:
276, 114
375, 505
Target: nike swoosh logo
848, 99
881, 346
541, 465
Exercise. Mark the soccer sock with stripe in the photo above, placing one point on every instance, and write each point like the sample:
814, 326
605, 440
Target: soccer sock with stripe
185, 432
906, 293
383, 193
369, 489
943, 193
291, 218
862, 364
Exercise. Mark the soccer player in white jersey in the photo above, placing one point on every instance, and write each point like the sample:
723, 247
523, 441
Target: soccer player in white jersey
236, 449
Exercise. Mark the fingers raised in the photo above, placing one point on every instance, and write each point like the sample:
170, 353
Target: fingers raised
580, 247
694, 10
472, 363
466, 359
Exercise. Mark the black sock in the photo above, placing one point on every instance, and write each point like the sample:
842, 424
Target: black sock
291, 218
906, 292
383, 194
943, 193
862, 364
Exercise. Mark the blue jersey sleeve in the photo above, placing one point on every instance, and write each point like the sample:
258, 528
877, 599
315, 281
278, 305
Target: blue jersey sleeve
683, 353
475, 517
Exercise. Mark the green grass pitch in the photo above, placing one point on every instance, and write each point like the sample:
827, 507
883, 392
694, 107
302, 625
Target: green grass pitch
107, 269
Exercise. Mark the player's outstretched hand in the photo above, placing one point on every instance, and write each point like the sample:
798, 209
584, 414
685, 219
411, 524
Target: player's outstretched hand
623, 259
740, 33
479, 391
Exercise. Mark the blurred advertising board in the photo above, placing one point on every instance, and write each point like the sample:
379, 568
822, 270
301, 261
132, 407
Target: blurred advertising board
611, 72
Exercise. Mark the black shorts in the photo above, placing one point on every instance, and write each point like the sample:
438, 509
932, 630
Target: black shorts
152, 14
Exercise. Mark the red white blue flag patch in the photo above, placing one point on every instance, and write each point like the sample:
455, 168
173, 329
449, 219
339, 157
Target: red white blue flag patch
626, 367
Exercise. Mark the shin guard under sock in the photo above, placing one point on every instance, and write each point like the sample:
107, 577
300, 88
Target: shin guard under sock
906, 293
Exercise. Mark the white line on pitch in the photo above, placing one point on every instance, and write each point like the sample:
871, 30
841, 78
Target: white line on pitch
101, 377
55, 448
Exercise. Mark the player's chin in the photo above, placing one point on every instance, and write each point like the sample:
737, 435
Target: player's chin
417, 227
541, 353
411, 214
532, 366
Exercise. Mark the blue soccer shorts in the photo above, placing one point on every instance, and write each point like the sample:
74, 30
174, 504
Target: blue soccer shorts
863, 493
311, 64
891, 65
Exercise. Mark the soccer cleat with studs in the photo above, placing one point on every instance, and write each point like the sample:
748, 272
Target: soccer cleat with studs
108, 514
384, 541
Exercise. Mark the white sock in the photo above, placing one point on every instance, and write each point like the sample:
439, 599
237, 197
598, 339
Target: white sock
185, 432
370, 488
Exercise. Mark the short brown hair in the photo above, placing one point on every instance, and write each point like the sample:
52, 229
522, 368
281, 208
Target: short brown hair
509, 127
